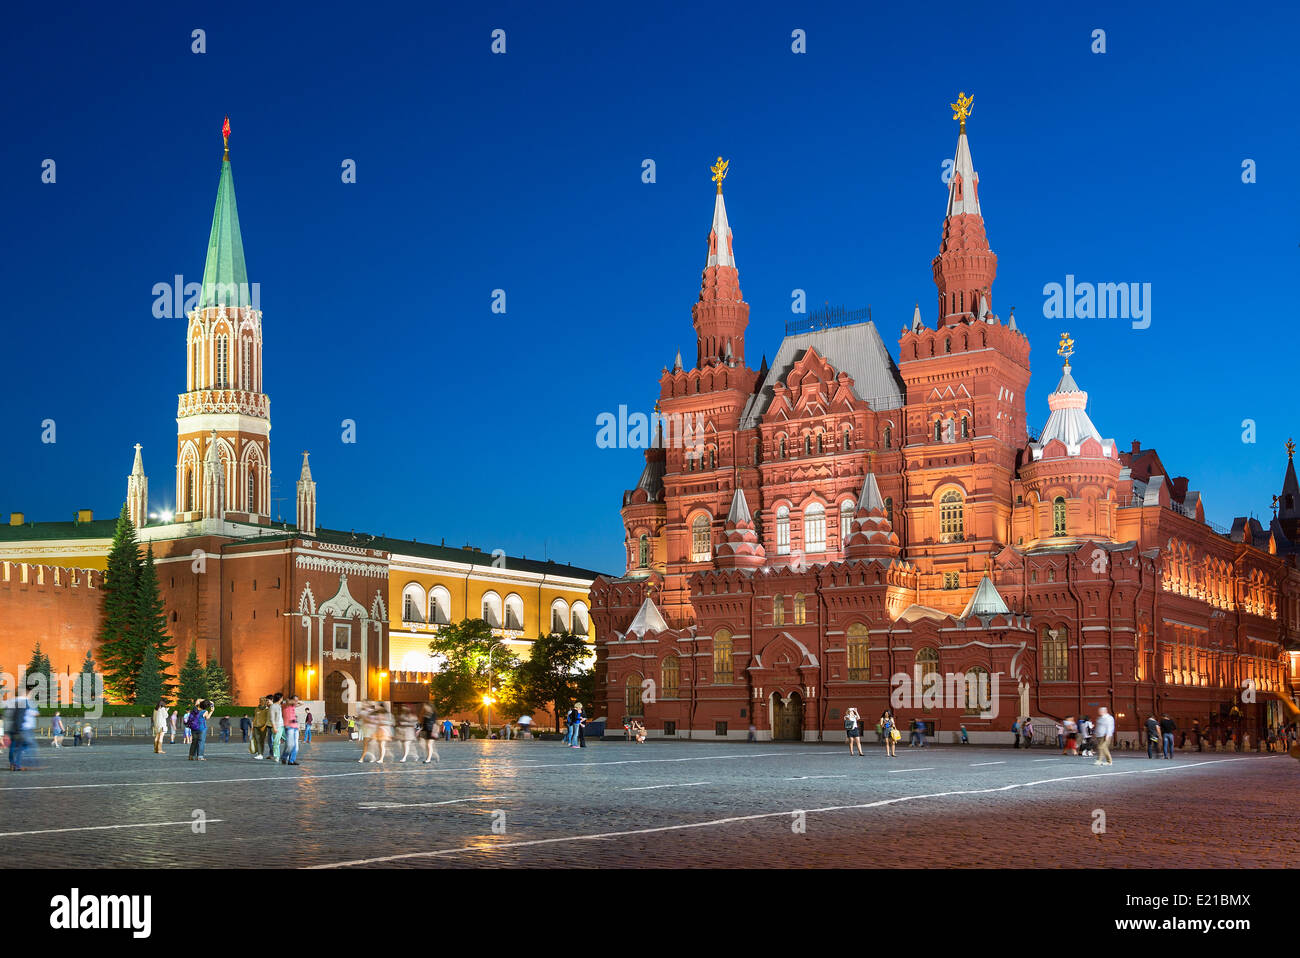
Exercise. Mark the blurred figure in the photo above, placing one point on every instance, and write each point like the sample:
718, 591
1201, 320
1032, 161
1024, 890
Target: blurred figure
428, 732
20, 726
289, 712
56, 730
171, 724
224, 725
404, 723
275, 727
1105, 729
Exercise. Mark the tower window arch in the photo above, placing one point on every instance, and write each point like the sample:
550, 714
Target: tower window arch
643, 551
927, 660
1058, 516
965, 427
938, 430
223, 360
848, 439
846, 521
814, 528
780, 447
952, 520
701, 541
947, 345
889, 509
778, 610
819, 444
783, 530
252, 489
1054, 654
670, 677
632, 698
807, 445
889, 437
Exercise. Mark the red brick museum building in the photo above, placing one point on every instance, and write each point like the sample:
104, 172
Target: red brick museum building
845, 519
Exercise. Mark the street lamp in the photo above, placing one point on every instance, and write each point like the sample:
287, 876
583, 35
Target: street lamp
310, 673
382, 676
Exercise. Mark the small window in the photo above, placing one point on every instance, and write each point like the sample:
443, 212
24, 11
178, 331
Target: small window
846, 522
889, 509
859, 651
947, 345
701, 540
643, 551
719, 728
780, 445
807, 445
783, 531
814, 528
1058, 516
670, 677
952, 580
632, 700
670, 728
965, 427
819, 444
778, 610
848, 441
889, 437
800, 611
952, 525
343, 638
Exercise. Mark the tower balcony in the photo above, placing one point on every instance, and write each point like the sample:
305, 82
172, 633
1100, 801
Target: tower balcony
241, 401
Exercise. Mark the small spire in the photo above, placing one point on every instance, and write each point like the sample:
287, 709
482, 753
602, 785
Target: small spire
1011, 320
739, 508
138, 468
870, 498
963, 187
306, 469
918, 324
677, 363
720, 233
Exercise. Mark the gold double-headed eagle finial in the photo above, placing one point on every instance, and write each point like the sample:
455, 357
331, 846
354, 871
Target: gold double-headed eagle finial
961, 109
719, 171
1066, 348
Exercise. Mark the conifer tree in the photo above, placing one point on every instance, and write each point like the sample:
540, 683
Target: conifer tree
119, 652
193, 679
150, 626
217, 683
38, 673
149, 683
84, 693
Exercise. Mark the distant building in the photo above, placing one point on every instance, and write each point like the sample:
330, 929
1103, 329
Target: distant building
841, 526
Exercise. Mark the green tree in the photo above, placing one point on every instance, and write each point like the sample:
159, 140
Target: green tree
193, 679
149, 681
85, 691
217, 683
552, 675
150, 628
38, 674
471, 655
119, 650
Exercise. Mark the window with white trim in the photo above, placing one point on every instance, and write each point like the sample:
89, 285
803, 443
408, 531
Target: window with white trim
814, 528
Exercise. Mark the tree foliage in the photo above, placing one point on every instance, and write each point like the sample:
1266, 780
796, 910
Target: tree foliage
193, 680
216, 683
38, 674
150, 626
120, 650
149, 680
472, 656
554, 672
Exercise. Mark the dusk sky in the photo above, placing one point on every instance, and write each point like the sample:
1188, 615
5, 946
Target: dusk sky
523, 172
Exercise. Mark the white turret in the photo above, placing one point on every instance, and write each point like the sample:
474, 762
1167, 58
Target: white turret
137, 492
306, 500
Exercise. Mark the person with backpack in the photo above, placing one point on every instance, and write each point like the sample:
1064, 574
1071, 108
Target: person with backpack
245, 726
853, 729
187, 733
196, 722
1027, 731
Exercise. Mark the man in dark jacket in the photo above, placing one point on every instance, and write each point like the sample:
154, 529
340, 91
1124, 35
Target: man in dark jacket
245, 723
1153, 736
1167, 730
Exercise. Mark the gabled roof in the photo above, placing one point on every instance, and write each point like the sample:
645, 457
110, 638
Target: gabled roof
855, 349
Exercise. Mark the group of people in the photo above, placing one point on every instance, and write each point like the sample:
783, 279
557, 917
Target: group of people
887, 731
1085, 737
403, 726
573, 723
634, 730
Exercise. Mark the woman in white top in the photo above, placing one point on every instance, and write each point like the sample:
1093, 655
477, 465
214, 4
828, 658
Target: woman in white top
853, 729
159, 727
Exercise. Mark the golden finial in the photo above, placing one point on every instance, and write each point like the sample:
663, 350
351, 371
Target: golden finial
1066, 348
225, 137
961, 109
719, 171
1290, 448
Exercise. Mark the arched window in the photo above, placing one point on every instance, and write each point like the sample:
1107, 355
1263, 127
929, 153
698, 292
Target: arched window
783, 531
977, 692
780, 447
814, 528
514, 612
712, 458
889, 509
1058, 516
846, 521
1054, 653
952, 523
859, 646
252, 488
670, 678
223, 360
439, 606
722, 658
807, 445
778, 610
965, 427
189, 490
927, 660
947, 345
632, 698
580, 624
819, 444
643, 551
889, 437
196, 352
938, 430
413, 603
492, 609
701, 541
559, 616
800, 611
246, 364
848, 439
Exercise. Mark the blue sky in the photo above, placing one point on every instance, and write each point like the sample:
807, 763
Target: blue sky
522, 172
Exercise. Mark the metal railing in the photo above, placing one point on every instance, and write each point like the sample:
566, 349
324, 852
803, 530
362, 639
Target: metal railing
827, 318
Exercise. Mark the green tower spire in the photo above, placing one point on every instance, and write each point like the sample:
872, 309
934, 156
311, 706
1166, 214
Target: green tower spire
225, 278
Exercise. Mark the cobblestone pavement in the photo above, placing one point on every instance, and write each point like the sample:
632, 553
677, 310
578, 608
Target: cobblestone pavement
671, 804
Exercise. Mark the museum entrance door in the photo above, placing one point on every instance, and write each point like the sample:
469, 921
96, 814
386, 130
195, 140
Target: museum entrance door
340, 695
787, 717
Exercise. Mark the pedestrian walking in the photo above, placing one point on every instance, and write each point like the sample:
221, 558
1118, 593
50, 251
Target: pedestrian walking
853, 729
197, 723
428, 732
159, 727
275, 727
405, 725
1167, 729
289, 714
171, 723
187, 733
56, 730
965, 736
464, 730
306, 727
1105, 729
526, 727
1196, 734
446, 730
1060, 736
1071, 736
920, 733
889, 733
245, 726
366, 714
1027, 731
20, 726
383, 729
261, 719
1153, 736
1085, 736
224, 725
1015, 730
88, 734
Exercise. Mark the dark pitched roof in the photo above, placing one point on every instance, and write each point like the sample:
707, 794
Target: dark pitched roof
426, 550
95, 529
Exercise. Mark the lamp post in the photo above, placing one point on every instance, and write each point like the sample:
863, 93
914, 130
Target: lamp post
487, 699
310, 673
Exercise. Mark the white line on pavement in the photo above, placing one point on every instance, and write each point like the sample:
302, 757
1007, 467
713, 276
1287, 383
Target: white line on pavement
924, 768
800, 778
1053, 759
371, 806
99, 828
600, 836
477, 770
978, 764
646, 788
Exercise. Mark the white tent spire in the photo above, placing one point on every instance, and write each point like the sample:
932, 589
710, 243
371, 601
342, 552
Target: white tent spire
963, 195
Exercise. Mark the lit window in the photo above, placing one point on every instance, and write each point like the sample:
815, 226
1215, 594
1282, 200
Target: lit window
722, 658
701, 541
492, 609
783, 531
800, 612
976, 688
439, 606
859, 653
814, 528
1058, 516
778, 610
928, 660
1054, 654
952, 526
952, 580
514, 612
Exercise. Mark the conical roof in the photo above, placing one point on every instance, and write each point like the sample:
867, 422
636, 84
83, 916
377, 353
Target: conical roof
870, 500
720, 235
985, 601
225, 277
648, 619
963, 196
739, 508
